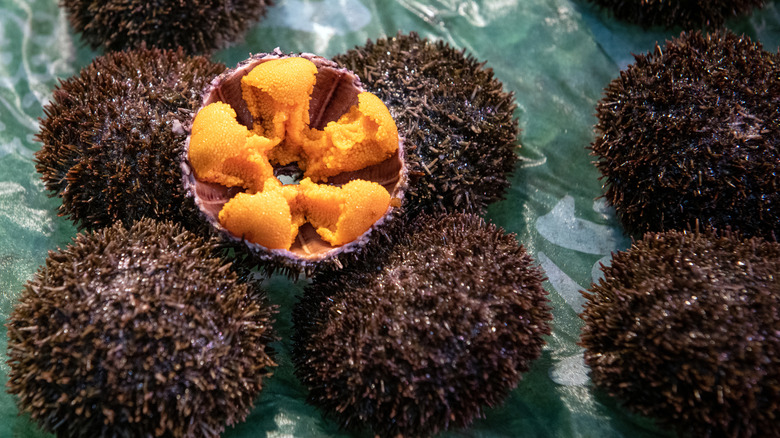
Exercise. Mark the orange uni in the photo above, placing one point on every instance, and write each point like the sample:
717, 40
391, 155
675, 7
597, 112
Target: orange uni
277, 93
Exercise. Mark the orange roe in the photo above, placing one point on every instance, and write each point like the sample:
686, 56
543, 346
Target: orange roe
225, 152
357, 140
277, 93
341, 214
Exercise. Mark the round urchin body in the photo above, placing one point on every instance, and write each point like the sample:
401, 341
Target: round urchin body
293, 162
684, 328
458, 123
689, 134
110, 140
692, 14
138, 332
198, 27
426, 335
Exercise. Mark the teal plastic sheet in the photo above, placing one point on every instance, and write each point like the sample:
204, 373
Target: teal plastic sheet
555, 55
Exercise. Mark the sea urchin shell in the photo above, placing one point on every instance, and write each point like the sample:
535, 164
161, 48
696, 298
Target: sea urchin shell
690, 14
689, 134
280, 116
458, 123
421, 337
110, 146
685, 328
138, 332
199, 27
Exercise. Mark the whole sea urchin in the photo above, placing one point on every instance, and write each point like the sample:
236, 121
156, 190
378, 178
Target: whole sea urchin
458, 125
110, 141
690, 14
199, 27
422, 337
138, 332
689, 134
685, 328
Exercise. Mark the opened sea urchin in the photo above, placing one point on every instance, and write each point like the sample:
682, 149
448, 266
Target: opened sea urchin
110, 141
291, 156
689, 133
685, 328
458, 125
199, 27
689, 14
140, 332
422, 337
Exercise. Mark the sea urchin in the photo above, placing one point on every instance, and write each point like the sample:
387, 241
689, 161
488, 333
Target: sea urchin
690, 133
685, 328
424, 336
458, 123
689, 14
138, 332
199, 27
110, 142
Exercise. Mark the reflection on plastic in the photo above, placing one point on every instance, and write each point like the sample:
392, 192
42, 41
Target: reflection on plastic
567, 288
561, 227
328, 17
570, 371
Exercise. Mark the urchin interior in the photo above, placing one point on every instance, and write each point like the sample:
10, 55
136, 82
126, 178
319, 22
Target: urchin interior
335, 91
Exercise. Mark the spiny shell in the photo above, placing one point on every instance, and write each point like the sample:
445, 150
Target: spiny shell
685, 328
198, 27
423, 335
688, 134
693, 14
139, 331
110, 143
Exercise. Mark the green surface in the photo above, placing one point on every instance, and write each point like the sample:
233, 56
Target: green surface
555, 55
